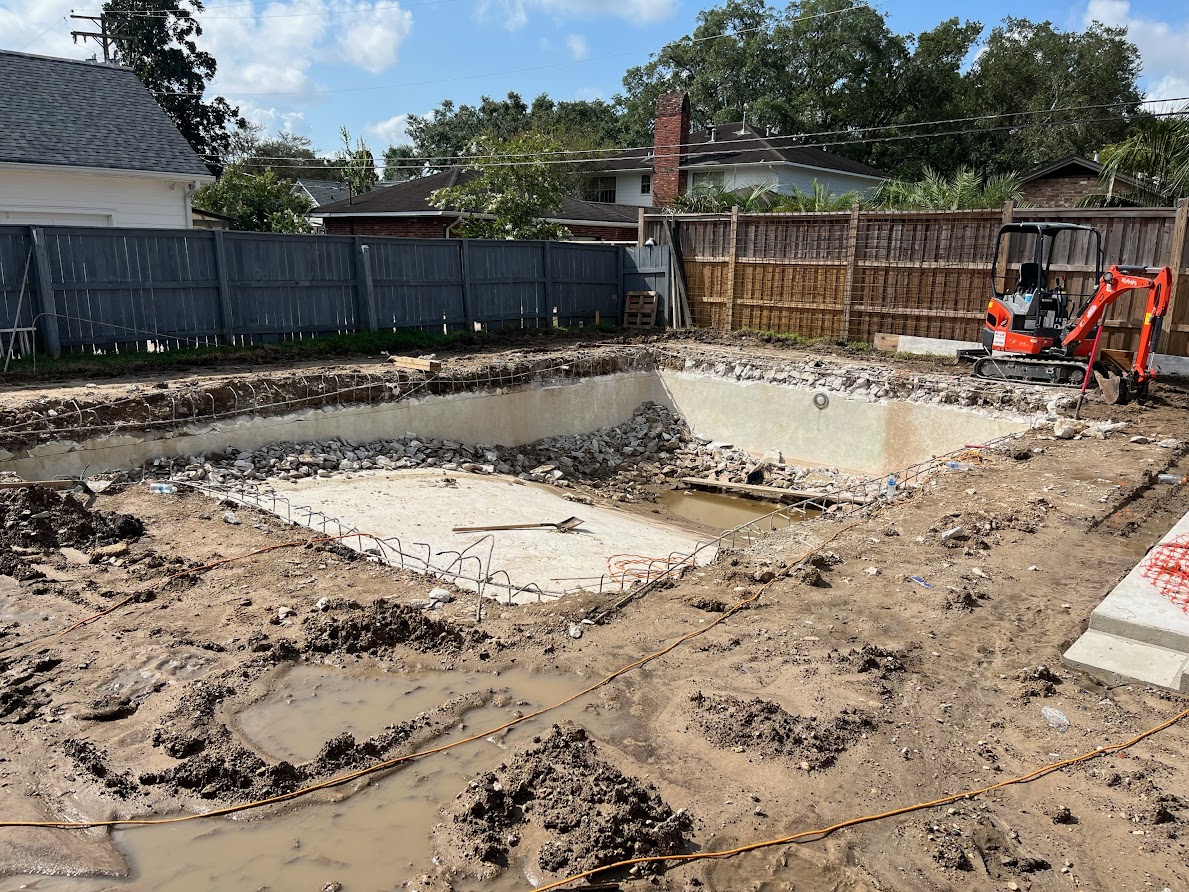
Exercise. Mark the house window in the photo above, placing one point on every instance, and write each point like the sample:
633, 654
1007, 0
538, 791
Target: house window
707, 179
646, 184
603, 189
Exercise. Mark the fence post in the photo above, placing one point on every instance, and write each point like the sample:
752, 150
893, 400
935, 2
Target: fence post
365, 294
1176, 260
640, 228
464, 247
852, 269
547, 272
1000, 270
47, 311
732, 258
227, 328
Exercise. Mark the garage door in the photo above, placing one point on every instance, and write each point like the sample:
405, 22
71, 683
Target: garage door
53, 218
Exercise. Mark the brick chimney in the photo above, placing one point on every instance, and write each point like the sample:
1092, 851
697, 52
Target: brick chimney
670, 140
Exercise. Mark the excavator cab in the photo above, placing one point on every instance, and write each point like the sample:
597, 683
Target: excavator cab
1031, 305
1038, 331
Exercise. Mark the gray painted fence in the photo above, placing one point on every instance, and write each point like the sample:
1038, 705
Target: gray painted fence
88, 288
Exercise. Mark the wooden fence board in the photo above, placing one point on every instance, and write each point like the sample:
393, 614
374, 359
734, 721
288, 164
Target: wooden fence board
851, 276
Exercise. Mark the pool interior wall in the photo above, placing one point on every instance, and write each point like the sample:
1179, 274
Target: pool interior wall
854, 435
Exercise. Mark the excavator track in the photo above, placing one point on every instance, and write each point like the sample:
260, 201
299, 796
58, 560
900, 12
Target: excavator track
1021, 370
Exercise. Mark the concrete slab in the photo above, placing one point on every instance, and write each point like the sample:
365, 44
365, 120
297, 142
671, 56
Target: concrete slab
1140, 631
1116, 660
418, 506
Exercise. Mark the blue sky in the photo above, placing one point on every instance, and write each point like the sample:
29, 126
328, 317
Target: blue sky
312, 65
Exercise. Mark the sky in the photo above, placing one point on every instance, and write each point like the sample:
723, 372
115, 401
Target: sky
311, 66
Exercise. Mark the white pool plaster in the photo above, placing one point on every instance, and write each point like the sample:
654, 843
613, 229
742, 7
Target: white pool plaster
421, 507
1140, 631
856, 435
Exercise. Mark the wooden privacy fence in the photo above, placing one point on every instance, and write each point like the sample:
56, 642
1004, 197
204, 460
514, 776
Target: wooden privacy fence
851, 275
87, 288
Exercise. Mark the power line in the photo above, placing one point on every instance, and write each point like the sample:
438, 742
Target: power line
39, 36
285, 15
681, 41
730, 144
464, 161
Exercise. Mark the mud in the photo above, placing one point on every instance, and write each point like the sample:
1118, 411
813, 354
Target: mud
764, 727
384, 625
561, 806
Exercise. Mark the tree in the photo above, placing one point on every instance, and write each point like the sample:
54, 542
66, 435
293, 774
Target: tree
258, 202
515, 189
288, 155
841, 77
158, 43
449, 132
964, 191
356, 166
1156, 155
1037, 68
398, 165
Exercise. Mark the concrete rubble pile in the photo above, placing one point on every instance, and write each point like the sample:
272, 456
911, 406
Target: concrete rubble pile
653, 448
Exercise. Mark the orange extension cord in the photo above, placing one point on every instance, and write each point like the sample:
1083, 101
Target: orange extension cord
823, 832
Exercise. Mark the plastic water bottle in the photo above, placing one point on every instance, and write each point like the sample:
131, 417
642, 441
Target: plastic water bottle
957, 466
891, 488
1174, 479
162, 489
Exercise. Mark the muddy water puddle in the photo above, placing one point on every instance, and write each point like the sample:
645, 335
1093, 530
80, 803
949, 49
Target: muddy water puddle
718, 511
311, 704
375, 839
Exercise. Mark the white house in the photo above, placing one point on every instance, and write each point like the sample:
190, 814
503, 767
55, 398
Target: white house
733, 156
85, 144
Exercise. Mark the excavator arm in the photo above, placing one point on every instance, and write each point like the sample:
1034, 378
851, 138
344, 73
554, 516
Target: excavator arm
1117, 281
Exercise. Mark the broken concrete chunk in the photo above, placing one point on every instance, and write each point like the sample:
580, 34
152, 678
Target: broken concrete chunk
116, 549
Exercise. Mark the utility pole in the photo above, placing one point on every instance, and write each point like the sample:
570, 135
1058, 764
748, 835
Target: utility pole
102, 37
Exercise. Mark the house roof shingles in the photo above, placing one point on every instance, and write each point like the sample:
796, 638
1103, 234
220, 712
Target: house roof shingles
324, 191
750, 147
83, 114
412, 197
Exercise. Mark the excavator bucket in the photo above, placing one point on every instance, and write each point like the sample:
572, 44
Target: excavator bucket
1113, 387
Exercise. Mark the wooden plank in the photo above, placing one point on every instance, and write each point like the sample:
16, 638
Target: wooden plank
732, 260
421, 365
776, 491
640, 309
887, 342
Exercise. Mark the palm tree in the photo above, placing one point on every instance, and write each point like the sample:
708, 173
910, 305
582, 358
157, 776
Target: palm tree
1156, 155
966, 190
710, 198
819, 198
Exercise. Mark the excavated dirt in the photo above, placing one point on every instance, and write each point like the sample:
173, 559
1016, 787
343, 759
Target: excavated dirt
765, 727
901, 664
563, 803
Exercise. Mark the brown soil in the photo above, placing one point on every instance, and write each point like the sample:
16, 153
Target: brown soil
820, 702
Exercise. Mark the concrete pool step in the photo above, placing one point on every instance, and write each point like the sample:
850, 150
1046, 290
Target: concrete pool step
1116, 660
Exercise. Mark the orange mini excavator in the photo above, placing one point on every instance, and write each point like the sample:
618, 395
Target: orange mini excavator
1039, 333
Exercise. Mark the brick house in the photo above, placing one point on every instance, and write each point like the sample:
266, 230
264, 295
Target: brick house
1065, 182
403, 210
734, 156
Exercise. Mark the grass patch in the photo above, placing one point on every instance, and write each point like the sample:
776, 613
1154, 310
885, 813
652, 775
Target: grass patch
335, 346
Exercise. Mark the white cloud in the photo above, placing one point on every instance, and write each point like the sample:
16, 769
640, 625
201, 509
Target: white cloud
577, 46
392, 132
590, 94
43, 27
1163, 45
372, 40
514, 13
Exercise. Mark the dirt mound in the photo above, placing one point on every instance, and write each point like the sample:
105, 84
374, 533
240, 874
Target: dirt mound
757, 724
384, 625
43, 518
91, 760
559, 797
